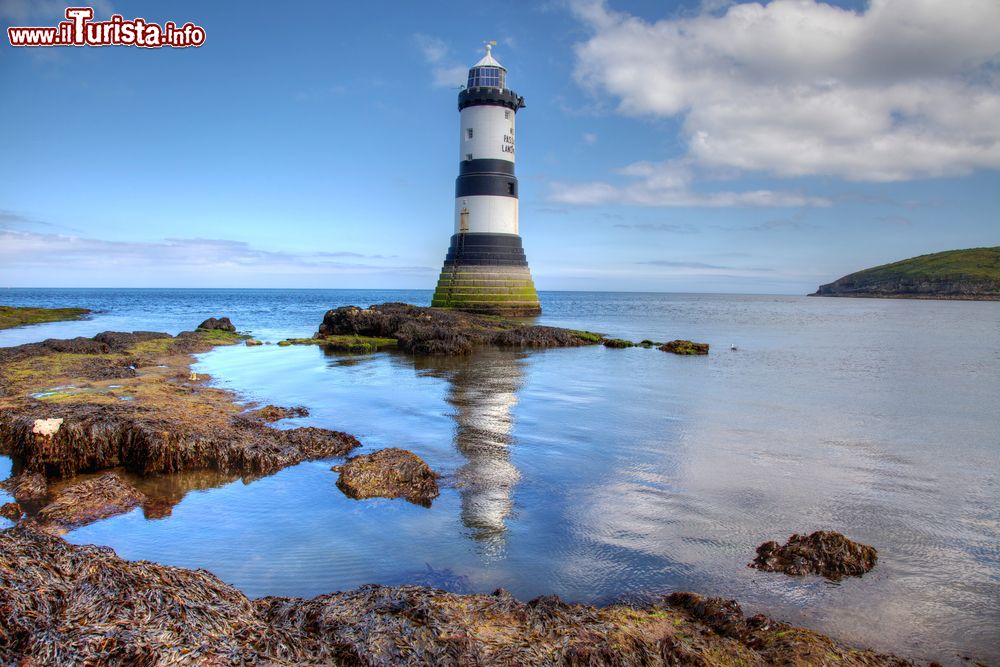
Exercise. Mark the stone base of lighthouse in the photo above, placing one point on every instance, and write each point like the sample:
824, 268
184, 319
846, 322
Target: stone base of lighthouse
487, 274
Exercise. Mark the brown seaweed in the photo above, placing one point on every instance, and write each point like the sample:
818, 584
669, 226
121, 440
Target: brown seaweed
823, 552
130, 401
422, 330
388, 473
62, 604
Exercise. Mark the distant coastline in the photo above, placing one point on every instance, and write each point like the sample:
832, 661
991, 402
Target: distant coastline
961, 275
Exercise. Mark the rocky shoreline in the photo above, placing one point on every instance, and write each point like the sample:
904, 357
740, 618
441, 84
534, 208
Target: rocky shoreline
129, 401
74, 605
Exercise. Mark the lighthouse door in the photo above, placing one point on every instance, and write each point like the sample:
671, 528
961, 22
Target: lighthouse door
463, 220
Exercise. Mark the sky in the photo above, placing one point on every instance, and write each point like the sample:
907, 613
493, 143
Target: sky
697, 146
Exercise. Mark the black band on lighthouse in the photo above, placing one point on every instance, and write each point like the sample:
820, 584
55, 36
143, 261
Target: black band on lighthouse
490, 97
480, 249
485, 166
486, 184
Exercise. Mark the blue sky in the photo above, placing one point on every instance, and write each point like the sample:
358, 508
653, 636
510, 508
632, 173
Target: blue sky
690, 146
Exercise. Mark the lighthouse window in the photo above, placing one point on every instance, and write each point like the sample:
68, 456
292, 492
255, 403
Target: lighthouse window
468, 156
510, 187
469, 133
506, 115
486, 76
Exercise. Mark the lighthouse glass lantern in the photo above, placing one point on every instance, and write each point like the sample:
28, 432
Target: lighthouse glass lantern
485, 270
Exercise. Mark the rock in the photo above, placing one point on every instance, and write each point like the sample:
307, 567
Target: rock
47, 427
685, 347
251, 342
27, 486
89, 501
824, 552
11, 511
218, 324
272, 413
440, 331
168, 426
388, 473
618, 343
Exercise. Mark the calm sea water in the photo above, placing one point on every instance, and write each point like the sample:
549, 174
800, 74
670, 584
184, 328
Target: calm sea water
595, 473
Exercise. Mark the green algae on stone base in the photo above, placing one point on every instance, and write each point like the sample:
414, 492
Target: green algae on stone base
14, 316
588, 336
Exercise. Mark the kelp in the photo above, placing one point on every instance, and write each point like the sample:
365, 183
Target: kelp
62, 604
823, 552
388, 473
420, 330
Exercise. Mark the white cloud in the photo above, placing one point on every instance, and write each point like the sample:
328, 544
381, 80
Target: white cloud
905, 89
445, 73
21, 250
665, 184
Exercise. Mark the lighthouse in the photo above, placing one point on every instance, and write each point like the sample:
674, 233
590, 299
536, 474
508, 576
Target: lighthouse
485, 270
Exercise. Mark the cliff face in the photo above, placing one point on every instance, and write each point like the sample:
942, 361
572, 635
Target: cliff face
972, 274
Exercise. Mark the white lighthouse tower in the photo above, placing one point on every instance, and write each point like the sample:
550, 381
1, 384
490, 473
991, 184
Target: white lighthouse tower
485, 270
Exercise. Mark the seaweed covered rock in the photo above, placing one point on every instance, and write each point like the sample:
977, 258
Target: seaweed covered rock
618, 343
388, 473
151, 418
16, 316
824, 552
439, 331
91, 500
273, 413
685, 347
27, 487
218, 324
11, 511
67, 604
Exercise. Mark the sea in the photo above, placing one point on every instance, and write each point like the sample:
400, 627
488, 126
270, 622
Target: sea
611, 474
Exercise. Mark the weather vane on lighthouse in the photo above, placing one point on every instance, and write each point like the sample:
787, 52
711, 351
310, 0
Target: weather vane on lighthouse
485, 270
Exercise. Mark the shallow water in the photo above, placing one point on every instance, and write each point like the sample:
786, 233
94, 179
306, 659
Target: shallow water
595, 473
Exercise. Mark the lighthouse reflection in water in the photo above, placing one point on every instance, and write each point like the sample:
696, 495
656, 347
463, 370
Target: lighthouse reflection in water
482, 389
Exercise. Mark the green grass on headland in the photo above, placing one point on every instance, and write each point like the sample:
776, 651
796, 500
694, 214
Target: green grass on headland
983, 263
954, 274
11, 316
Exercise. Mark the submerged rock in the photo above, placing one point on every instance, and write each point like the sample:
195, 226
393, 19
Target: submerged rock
824, 552
67, 604
618, 343
157, 508
27, 486
685, 347
218, 324
388, 473
89, 501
